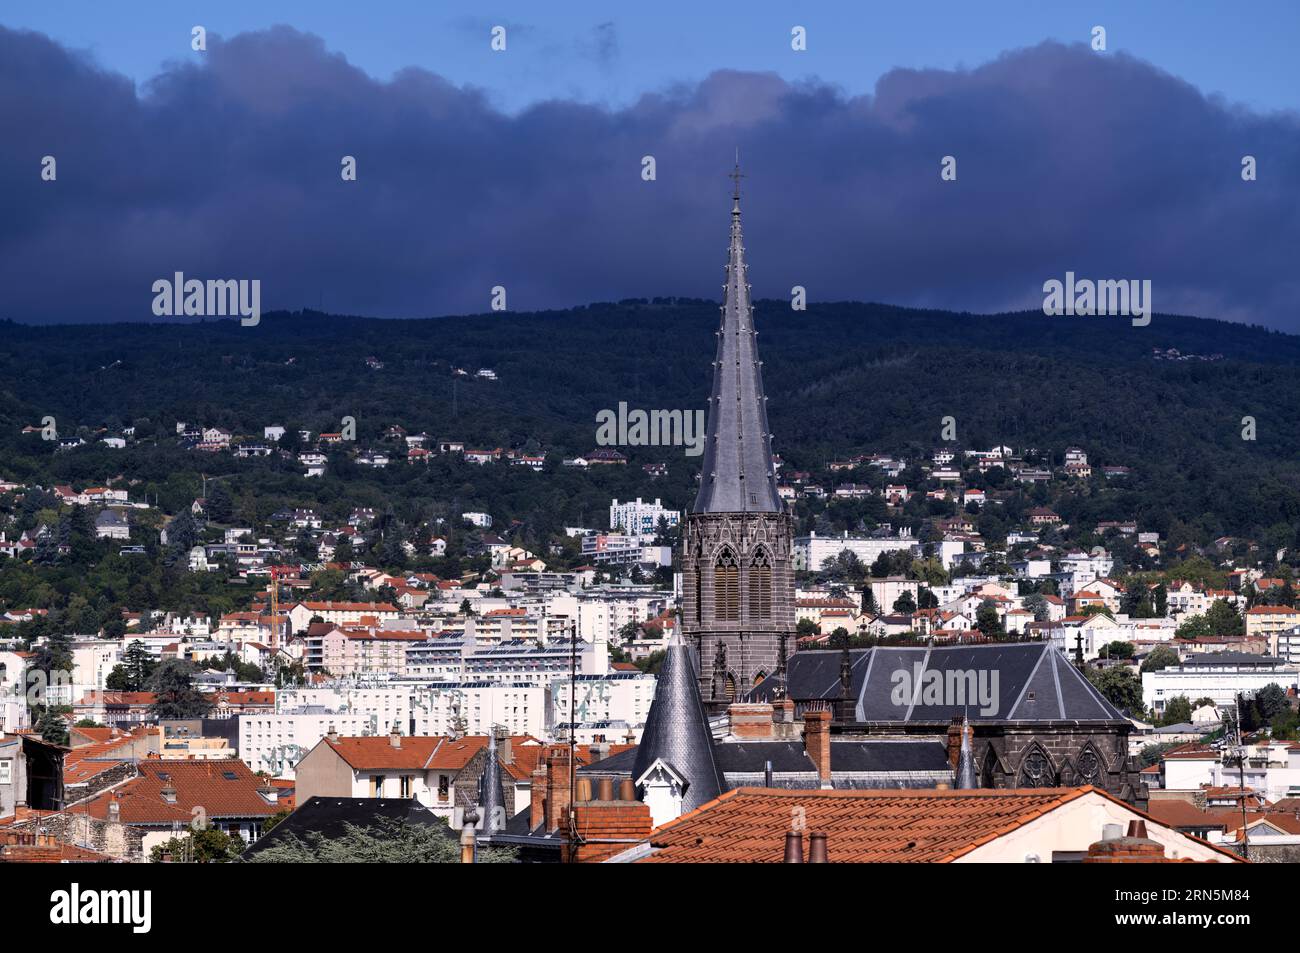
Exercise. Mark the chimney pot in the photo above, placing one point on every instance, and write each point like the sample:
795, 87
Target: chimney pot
605, 789
817, 849
627, 790
793, 847
1137, 829
584, 789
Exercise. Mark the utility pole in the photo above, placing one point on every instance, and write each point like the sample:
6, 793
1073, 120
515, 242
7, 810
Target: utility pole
1240, 751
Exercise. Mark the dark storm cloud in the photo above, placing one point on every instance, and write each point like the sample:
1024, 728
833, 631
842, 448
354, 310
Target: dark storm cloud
1067, 160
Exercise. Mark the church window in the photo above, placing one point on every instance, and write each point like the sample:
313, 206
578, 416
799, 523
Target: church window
1036, 771
760, 587
1089, 767
726, 588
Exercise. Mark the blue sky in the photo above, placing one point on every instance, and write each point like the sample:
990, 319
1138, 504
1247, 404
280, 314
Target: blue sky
610, 53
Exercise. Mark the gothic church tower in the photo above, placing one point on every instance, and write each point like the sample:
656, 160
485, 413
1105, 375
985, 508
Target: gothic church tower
737, 580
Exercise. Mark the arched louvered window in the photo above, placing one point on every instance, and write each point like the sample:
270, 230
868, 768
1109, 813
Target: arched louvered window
726, 587
760, 586
729, 689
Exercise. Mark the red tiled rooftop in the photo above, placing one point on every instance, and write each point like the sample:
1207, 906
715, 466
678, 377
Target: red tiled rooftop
914, 826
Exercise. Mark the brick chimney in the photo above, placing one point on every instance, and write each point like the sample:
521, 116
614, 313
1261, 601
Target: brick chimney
557, 786
1134, 848
783, 720
817, 742
608, 823
395, 736
750, 720
537, 798
954, 740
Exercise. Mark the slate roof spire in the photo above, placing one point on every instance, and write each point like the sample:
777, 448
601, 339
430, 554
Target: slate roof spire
738, 476
965, 780
677, 730
491, 794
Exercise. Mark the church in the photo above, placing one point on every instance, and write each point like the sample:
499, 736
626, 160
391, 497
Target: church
736, 707
1046, 725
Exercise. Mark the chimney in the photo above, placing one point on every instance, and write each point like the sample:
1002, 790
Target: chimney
333, 735
169, 794
537, 794
793, 847
817, 742
954, 741
783, 728
467, 838
504, 751
817, 849
606, 825
557, 786
269, 794
752, 721
1133, 848
114, 810
395, 736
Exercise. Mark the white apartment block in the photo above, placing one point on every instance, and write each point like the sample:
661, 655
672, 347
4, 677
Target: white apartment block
1219, 676
811, 552
640, 519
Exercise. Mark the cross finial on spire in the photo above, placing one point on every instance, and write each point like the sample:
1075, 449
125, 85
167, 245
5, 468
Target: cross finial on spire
735, 176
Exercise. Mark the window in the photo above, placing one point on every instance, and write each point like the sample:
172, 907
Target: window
726, 588
406, 786
376, 785
6, 771
760, 586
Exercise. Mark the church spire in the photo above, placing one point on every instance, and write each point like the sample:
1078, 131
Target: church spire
738, 476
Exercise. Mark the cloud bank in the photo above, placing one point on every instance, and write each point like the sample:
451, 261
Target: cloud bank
1067, 159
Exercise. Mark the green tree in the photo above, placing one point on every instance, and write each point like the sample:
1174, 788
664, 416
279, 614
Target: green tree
1177, 710
905, 603
1160, 657
206, 846
1120, 686
173, 684
1222, 618
987, 620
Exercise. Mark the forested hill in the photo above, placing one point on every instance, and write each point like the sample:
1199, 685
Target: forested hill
842, 378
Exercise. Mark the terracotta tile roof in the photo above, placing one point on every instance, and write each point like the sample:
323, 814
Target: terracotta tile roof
420, 753
222, 788
912, 826
86, 761
118, 698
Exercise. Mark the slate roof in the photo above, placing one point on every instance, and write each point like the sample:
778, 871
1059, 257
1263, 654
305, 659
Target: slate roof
329, 815
1035, 682
737, 475
677, 730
